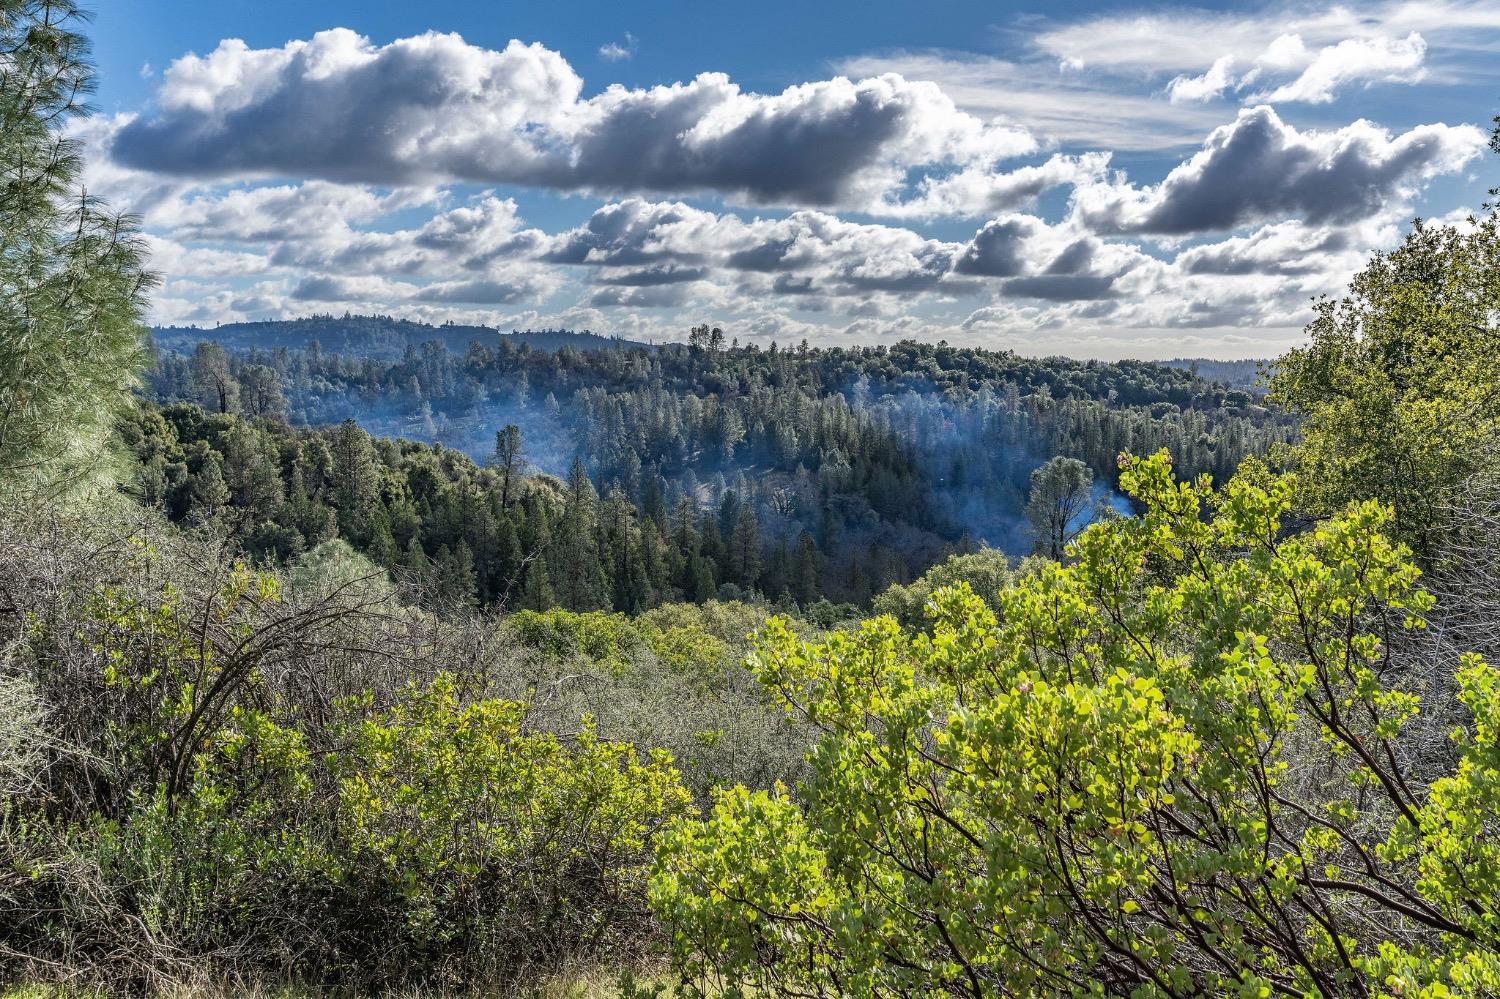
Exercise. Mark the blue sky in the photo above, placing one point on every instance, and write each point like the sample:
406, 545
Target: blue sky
1100, 179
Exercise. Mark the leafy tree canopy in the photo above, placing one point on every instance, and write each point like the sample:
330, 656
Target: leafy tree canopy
1396, 389
1183, 764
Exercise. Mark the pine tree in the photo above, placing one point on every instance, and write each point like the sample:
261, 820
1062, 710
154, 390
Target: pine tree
355, 479
535, 532
507, 562
453, 580
745, 549
253, 478
580, 581
653, 501
704, 586
537, 594
729, 513
382, 547
72, 280
152, 481
710, 540
510, 461
653, 562
805, 571
210, 493
627, 587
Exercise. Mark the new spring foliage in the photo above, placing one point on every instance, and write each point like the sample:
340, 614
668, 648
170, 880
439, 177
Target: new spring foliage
1182, 763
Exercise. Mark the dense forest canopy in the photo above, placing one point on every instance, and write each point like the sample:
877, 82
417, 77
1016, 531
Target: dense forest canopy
462, 670
707, 468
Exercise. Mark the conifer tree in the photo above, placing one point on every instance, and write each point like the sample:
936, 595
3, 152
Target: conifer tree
72, 278
805, 569
510, 461
745, 549
355, 478
210, 493
537, 594
580, 580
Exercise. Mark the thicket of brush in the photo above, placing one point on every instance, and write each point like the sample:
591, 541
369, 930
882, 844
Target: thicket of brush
295, 776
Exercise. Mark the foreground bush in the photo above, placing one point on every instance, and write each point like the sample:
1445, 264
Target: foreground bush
1180, 765
526, 846
209, 772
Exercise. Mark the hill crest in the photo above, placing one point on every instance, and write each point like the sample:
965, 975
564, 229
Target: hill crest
382, 337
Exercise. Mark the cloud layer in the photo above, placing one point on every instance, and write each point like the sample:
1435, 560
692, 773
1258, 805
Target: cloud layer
435, 109
1259, 168
912, 194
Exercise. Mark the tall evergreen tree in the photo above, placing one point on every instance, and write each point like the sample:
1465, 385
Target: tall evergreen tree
452, 579
210, 494
805, 570
510, 461
744, 547
72, 279
579, 579
355, 478
537, 594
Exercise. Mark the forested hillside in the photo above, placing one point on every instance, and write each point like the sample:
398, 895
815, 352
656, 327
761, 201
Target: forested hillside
691, 470
287, 706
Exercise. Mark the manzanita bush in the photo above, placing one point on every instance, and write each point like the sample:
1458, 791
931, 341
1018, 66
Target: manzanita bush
216, 794
1182, 763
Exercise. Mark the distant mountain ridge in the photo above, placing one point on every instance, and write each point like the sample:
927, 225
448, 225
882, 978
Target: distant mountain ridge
381, 337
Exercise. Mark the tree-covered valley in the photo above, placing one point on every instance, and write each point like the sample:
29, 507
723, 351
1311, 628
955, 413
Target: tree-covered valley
625, 477
550, 664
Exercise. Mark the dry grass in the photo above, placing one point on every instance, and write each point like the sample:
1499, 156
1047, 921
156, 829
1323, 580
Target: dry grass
583, 983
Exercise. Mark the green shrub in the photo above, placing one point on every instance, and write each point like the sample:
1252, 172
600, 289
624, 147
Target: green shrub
1180, 765
673, 678
219, 778
603, 638
523, 845
986, 572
